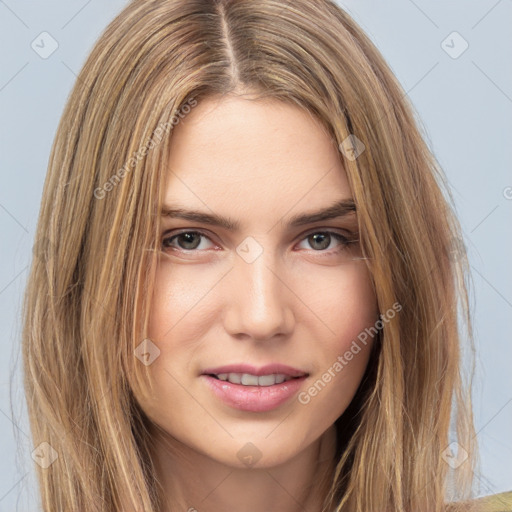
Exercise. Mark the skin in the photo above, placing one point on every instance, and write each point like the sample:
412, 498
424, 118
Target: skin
259, 163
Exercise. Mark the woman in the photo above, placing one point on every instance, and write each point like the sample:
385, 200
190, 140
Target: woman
248, 296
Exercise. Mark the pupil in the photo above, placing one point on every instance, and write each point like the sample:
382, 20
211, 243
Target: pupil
323, 238
188, 239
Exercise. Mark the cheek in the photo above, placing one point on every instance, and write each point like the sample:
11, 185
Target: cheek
343, 301
180, 293
358, 307
347, 309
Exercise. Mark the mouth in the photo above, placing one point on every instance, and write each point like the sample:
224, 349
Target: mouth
248, 375
247, 379
252, 389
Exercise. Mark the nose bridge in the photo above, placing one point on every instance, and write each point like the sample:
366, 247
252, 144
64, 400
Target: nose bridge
258, 305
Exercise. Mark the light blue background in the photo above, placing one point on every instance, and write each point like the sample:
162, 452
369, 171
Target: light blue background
465, 105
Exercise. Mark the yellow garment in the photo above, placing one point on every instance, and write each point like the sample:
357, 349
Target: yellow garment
495, 503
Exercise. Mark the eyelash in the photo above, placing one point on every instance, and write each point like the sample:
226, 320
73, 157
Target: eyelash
344, 240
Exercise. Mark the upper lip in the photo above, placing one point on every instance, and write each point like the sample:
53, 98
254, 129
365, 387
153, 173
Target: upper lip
253, 370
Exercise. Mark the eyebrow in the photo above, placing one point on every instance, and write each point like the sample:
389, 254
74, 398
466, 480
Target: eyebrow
339, 209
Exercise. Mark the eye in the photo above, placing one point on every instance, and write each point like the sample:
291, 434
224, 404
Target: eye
322, 240
186, 240
319, 241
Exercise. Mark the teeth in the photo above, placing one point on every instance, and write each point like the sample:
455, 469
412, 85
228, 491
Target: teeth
266, 380
281, 378
246, 379
249, 380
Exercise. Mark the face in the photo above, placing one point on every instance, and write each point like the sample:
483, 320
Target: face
266, 293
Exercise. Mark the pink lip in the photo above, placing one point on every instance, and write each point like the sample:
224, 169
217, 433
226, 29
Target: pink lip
253, 398
263, 370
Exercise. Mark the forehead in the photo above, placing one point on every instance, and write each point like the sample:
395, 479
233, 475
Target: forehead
253, 157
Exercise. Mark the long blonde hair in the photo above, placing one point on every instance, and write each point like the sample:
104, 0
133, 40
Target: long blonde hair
89, 290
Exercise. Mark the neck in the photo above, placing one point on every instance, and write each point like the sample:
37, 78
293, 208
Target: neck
193, 481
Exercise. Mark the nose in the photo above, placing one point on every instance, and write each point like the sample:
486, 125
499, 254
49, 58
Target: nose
259, 305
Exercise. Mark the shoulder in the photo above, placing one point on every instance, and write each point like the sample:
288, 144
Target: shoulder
496, 502
501, 502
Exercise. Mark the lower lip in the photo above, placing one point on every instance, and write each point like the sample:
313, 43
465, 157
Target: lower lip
254, 398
